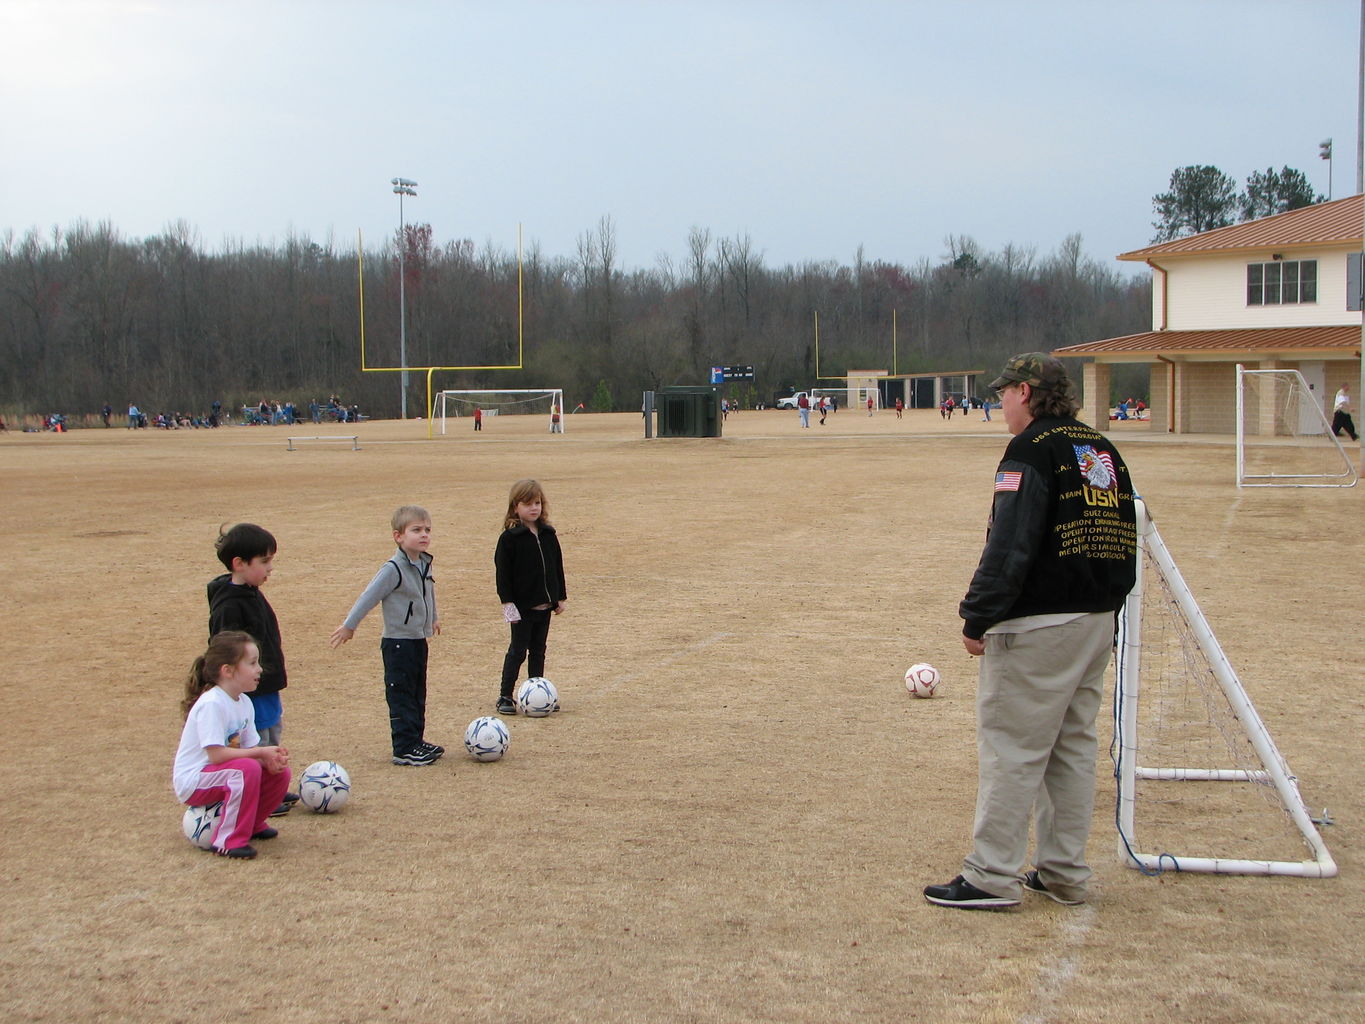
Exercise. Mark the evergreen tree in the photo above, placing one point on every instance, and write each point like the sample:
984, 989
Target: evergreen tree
1201, 198
601, 398
1275, 192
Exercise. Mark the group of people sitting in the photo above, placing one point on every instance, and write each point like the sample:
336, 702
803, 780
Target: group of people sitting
334, 410
270, 412
274, 413
178, 420
1129, 409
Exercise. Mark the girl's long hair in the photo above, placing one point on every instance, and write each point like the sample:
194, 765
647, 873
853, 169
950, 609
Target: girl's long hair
524, 491
225, 648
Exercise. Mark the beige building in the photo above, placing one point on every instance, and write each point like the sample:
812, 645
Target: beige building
1279, 292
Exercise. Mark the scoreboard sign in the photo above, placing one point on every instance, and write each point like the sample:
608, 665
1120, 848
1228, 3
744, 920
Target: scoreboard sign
720, 374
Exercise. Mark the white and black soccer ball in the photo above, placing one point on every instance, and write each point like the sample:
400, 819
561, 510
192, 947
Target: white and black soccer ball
324, 787
921, 680
537, 697
199, 823
487, 738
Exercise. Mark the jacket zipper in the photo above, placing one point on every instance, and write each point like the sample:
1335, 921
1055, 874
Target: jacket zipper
544, 575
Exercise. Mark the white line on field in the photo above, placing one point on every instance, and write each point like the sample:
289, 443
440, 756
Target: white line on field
1055, 973
686, 652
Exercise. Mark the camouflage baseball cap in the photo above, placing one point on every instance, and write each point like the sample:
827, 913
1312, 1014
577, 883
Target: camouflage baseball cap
1036, 368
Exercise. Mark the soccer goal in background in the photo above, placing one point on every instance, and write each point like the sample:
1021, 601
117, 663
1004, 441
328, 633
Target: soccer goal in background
1198, 772
546, 402
1283, 436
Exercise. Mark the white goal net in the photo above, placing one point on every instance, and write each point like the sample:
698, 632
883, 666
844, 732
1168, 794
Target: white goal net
543, 402
1283, 436
861, 395
1201, 784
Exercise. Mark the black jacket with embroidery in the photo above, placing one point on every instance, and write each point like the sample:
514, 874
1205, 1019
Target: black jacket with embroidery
1062, 535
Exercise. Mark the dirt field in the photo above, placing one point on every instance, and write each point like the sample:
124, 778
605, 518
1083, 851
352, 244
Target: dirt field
733, 816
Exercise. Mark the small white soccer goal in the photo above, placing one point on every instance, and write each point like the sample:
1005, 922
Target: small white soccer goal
1196, 766
1283, 436
547, 402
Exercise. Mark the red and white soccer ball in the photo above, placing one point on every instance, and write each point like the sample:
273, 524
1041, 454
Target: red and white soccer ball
921, 680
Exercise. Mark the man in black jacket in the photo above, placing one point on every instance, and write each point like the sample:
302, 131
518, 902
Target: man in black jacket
1060, 557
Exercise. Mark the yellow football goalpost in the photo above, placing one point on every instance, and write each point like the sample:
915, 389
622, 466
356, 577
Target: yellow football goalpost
366, 368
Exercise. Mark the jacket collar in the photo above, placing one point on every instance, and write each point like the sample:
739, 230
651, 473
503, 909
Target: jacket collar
399, 555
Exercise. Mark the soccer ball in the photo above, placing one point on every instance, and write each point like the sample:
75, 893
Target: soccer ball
537, 697
487, 738
199, 823
921, 680
325, 787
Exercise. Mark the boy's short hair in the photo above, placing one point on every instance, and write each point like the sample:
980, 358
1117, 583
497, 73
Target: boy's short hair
407, 515
245, 541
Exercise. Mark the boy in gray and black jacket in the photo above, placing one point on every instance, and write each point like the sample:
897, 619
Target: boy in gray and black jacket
405, 587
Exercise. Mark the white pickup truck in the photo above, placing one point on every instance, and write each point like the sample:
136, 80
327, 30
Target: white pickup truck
790, 402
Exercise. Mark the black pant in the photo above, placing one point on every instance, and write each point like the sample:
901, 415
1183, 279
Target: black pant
1341, 420
528, 644
405, 688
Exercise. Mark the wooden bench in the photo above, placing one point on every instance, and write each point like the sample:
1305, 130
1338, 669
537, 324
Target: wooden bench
353, 438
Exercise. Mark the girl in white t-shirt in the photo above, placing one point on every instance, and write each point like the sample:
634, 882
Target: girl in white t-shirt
219, 757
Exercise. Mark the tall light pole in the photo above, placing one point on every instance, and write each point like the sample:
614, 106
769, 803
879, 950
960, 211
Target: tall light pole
403, 187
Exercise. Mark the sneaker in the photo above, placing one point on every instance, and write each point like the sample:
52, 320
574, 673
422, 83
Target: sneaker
238, 852
416, 756
290, 799
1035, 884
266, 833
282, 810
961, 893
507, 706
432, 748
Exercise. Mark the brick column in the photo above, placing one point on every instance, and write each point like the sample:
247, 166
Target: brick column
1159, 400
1095, 394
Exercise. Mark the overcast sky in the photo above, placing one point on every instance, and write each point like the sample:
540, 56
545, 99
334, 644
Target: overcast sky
812, 127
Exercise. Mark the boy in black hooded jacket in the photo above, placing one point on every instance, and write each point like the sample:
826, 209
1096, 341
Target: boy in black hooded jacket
247, 551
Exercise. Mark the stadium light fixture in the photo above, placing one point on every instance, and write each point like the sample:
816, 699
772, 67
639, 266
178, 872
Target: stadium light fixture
403, 187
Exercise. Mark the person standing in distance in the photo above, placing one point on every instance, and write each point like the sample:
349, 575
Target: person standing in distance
1060, 557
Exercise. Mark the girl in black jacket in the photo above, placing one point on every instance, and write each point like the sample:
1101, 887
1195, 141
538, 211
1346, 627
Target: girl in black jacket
530, 579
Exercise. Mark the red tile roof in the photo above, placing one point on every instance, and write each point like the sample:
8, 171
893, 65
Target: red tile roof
1335, 223
1260, 342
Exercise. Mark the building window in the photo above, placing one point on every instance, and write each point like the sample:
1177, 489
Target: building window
1282, 282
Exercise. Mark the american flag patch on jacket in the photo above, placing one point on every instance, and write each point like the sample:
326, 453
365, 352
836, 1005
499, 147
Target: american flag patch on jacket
1007, 481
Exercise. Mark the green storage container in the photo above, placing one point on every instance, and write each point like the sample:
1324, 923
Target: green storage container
687, 411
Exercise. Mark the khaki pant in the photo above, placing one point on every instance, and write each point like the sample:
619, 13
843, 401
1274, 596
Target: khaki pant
1037, 699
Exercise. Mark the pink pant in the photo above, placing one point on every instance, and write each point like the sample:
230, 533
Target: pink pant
248, 792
